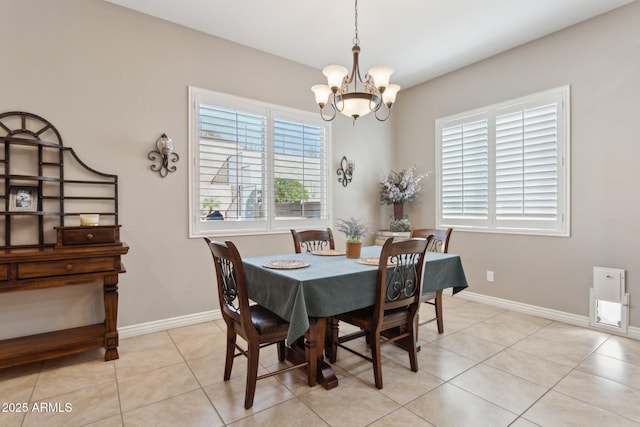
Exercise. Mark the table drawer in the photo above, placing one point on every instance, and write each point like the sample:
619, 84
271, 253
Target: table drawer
30, 270
88, 236
4, 272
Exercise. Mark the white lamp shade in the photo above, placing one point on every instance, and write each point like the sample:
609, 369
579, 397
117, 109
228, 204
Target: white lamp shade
381, 75
322, 94
356, 107
389, 94
335, 74
356, 104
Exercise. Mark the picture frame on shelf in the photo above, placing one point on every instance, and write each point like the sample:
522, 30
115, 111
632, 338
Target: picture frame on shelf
23, 199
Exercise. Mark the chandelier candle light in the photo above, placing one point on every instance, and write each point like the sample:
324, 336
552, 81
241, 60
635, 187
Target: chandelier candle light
350, 94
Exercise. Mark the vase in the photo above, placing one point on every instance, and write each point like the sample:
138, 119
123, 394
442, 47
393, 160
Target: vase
398, 211
353, 249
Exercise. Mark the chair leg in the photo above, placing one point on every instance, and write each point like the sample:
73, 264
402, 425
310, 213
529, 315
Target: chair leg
281, 351
231, 349
412, 347
376, 359
253, 353
438, 305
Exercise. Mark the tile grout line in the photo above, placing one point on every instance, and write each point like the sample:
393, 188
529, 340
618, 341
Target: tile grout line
594, 351
524, 379
196, 377
574, 368
33, 390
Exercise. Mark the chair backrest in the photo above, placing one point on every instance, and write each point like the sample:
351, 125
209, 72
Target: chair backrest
440, 241
232, 284
312, 240
399, 282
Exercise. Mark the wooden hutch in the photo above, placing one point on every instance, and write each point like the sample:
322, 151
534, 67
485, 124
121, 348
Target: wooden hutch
43, 245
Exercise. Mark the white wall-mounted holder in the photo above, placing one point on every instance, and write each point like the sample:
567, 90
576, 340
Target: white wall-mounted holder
609, 303
162, 155
345, 171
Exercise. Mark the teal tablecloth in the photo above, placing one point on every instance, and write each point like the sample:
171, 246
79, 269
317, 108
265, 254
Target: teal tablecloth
333, 284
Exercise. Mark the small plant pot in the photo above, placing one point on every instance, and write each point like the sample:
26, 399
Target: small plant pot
353, 249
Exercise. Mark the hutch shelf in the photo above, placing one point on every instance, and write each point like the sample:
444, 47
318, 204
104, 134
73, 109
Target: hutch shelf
43, 245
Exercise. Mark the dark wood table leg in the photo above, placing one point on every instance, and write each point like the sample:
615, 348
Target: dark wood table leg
110, 289
313, 346
310, 353
326, 375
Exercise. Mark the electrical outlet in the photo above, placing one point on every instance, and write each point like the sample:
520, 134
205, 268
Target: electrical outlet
489, 276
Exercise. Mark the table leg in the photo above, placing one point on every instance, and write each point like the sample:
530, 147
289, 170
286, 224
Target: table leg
326, 375
312, 347
110, 291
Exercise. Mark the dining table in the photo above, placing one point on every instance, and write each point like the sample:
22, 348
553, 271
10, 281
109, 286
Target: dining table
303, 286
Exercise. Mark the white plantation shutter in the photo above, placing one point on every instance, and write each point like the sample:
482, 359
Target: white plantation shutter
299, 160
242, 152
505, 167
232, 154
465, 170
527, 164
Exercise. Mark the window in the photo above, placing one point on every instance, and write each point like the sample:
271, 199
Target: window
505, 168
255, 167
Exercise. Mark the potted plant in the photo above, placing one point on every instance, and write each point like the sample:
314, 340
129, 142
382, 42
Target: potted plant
211, 203
354, 229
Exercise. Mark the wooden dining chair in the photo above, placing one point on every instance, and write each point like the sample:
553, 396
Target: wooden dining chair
312, 240
258, 326
439, 243
393, 316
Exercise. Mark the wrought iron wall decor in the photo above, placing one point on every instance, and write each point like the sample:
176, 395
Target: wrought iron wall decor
345, 171
163, 155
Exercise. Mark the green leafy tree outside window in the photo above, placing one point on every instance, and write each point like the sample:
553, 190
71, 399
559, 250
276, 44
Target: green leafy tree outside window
290, 191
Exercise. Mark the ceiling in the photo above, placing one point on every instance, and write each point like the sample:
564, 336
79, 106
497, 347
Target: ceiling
421, 39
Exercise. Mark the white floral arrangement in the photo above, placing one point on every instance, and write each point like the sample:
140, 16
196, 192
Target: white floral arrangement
400, 225
400, 187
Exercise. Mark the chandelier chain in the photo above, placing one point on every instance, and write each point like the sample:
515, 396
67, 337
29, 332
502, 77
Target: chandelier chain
356, 40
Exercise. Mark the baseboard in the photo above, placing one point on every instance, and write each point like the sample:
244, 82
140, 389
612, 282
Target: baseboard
547, 313
164, 324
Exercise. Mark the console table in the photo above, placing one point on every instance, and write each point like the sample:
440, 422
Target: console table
31, 269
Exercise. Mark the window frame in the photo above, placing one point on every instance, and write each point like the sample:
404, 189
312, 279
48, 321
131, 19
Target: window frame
272, 112
561, 226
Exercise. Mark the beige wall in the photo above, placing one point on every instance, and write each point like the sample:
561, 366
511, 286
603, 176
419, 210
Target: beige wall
112, 80
600, 59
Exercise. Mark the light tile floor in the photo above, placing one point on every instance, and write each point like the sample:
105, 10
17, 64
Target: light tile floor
492, 367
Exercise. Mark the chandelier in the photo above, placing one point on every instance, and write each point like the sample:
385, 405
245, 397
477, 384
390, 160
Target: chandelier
352, 96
